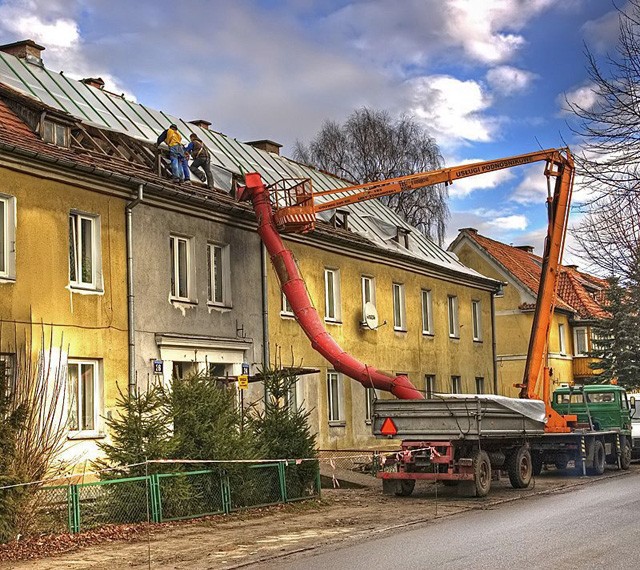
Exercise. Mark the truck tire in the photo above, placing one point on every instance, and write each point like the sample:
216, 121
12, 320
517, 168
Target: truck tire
520, 468
405, 487
625, 449
536, 463
561, 462
481, 473
597, 466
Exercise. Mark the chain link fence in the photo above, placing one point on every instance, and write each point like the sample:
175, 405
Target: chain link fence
366, 461
164, 497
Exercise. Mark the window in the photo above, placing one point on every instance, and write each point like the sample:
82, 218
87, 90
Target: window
454, 324
218, 268
368, 291
84, 251
476, 319
83, 397
456, 385
286, 306
580, 341
7, 237
55, 133
399, 313
331, 295
479, 385
180, 267
427, 312
7, 371
334, 392
562, 348
370, 397
430, 385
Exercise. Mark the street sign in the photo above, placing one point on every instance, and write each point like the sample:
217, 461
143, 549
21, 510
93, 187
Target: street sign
158, 366
243, 382
245, 368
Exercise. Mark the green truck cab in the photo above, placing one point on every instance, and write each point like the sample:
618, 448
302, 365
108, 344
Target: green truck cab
599, 407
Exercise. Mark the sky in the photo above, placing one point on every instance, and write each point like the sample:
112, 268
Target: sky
486, 78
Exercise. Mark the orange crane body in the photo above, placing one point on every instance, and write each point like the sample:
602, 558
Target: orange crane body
291, 205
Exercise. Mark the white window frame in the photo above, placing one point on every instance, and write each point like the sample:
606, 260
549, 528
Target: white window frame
77, 279
427, 312
286, 310
174, 241
368, 283
332, 295
429, 385
456, 384
476, 320
223, 263
8, 235
335, 412
59, 134
480, 385
399, 308
580, 331
562, 344
80, 428
454, 321
370, 396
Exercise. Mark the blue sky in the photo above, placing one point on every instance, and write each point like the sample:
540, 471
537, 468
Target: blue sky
487, 78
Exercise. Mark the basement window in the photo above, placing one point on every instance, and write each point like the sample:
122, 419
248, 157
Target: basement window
55, 133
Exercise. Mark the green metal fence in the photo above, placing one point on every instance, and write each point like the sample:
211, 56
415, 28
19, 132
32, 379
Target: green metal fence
174, 496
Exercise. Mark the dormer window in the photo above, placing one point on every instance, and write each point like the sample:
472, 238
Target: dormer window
402, 237
55, 133
340, 219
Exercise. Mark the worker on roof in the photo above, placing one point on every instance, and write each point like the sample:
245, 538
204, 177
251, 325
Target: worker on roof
201, 160
177, 156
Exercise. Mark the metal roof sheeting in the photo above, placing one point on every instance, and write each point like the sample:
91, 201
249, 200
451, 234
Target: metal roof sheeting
114, 112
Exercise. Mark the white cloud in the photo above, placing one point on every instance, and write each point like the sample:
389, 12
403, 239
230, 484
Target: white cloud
507, 80
533, 187
584, 97
452, 109
507, 223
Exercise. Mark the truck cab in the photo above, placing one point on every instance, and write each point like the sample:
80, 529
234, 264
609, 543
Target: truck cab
634, 401
600, 407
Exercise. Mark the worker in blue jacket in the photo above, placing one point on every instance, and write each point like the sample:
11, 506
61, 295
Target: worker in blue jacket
177, 156
201, 159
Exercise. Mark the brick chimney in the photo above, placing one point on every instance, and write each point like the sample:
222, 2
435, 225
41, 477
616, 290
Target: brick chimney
266, 144
28, 50
201, 123
526, 248
95, 82
468, 230
572, 266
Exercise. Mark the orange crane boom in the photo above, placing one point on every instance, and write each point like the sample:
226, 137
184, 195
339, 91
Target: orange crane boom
291, 205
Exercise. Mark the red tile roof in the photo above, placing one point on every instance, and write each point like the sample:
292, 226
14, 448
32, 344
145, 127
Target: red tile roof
578, 292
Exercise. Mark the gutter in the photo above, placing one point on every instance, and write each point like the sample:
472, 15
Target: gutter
493, 345
130, 290
265, 306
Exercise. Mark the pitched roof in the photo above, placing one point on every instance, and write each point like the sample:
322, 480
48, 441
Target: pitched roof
581, 293
96, 107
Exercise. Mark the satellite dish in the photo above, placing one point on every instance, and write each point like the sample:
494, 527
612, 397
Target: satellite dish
370, 316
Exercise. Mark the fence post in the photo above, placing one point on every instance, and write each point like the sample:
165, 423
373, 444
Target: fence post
318, 478
283, 481
155, 498
225, 488
73, 508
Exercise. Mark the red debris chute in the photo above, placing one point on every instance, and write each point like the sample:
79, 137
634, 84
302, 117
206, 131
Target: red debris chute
294, 288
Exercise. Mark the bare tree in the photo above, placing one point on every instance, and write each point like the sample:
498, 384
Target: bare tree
609, 165
371, 146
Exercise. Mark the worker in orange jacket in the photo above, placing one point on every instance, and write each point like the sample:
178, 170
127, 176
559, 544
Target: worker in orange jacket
177, 156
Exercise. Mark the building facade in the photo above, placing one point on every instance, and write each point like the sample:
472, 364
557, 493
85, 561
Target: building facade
579, 305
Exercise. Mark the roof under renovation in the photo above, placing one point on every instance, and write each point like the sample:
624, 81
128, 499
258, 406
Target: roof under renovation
88, 102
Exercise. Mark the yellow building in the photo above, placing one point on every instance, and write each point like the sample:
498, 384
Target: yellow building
435, 326
63, 292
578, 306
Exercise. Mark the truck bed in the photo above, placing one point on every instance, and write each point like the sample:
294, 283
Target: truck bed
467, 416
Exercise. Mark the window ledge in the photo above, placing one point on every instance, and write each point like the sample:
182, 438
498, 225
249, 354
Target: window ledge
428, 334
85, 290
178, 301
285, 315
332, 322
84, 435
218, 306
395, 329
454, 337
477, 341
337, 423
7, 279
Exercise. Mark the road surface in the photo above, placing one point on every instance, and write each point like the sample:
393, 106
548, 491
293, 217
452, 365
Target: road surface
595, 526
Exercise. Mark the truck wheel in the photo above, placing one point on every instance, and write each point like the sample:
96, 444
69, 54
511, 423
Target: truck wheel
481, 473
597, 467
405, 487
520, 468
561, 462
625, 457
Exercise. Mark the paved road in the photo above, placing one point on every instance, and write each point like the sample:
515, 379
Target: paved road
595, 526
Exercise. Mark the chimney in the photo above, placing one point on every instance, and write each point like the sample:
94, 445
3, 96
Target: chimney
95, 82
525, 248
266, 144
28, 50
201, 123
468, 230
574, 267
